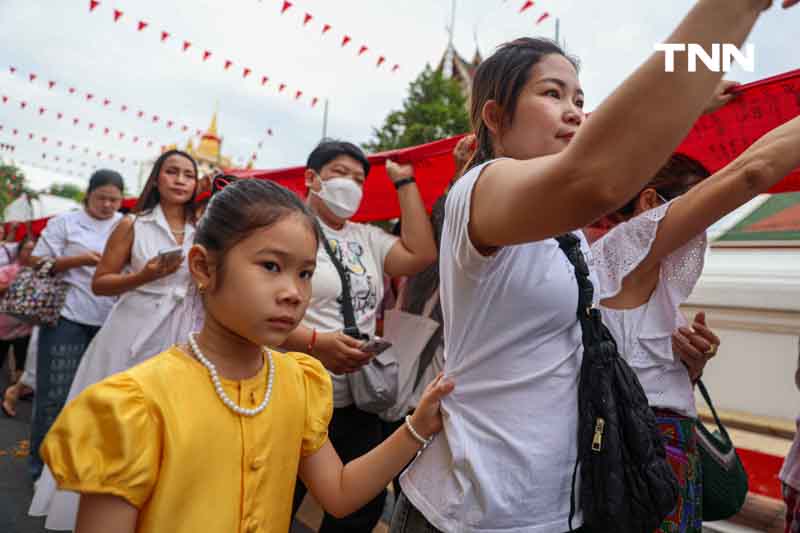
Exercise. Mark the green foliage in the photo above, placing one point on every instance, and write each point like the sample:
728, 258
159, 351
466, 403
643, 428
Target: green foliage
67, 190
434, 109
12, 185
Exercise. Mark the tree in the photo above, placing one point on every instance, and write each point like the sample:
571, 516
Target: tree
67, 190
434, 109
12, 185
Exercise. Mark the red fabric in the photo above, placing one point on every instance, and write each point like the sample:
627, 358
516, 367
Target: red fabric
718, 138
762, 472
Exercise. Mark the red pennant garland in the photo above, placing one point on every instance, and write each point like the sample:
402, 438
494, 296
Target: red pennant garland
314, 101
326, 28
395, 68
363, 49
72, 90
23, 105
170, 123
164, 36
206, 55
544, 16
75, 121
286, 6
307, 18
5, 99
124, 108
13, 70
381, 61
89, 96
32, 77
345, 40
282, 87
117, 15
246, 72
142, 25
42, 110
60, 115
264, 80
527, 5
298, 94
51, 84
186, 45
106, 101
93, 4
106, 131
228, 64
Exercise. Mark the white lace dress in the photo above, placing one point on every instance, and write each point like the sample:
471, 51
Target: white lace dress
644, 334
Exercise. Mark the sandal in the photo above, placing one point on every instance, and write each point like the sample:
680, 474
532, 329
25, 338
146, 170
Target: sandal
10, 412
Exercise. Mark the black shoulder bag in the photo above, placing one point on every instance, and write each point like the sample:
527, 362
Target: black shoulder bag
375, 386
627, 485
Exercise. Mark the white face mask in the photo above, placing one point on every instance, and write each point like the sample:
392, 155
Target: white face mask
341, 195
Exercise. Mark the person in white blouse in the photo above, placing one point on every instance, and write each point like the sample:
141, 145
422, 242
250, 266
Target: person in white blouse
154, 307
648, 265
75, 240
513, 344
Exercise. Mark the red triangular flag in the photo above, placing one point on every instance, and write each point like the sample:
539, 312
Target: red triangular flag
298, 94
106, 101
60, 115
105, 131
51, 84
23, 104
60, 144
135, 140
13, 70
543, 17
30, 136
286, 6
381, 61
92, 5
75, 121
326, 28
91, 125
32, 77
14, 131
264, 80
198, 132
184, 128
121, 135
206, 55
164, 36
228, 64
142, 25
345, 40
314, 101
246, 72
72, 90
42, 110
269, 132
282, 87
44, 139
117, 15
395, 68
123, 108
307, 18
186, 45
5, 99
170, 123
89, 96
362, 49
527, 5
155, 118
140, 114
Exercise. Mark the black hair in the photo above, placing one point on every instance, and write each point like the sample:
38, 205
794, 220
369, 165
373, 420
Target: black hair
676, 177
104, 177
150, 196
241, 207
328, 150
501, 77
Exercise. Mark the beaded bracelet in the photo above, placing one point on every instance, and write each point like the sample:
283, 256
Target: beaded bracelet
419, 438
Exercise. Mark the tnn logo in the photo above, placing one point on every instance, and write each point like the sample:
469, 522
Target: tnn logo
721, 58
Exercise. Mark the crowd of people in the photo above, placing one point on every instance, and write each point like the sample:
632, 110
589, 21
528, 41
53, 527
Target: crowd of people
213, 363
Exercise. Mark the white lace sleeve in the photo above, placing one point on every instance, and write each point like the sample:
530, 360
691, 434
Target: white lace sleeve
619, 252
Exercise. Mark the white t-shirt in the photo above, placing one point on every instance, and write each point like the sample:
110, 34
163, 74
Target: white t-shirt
362, 249
77, 233
513, 347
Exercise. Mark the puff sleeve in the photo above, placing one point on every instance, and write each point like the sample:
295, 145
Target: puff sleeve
319, 403
106, 441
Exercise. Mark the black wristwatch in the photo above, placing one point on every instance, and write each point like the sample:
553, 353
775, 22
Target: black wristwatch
403, 182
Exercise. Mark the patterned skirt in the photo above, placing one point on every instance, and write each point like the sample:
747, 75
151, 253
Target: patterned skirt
683, 455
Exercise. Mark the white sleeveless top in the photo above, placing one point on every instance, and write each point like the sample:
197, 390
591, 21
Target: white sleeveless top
505, 459
644, 334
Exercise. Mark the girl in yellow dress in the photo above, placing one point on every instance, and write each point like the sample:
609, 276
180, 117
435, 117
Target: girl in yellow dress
210, 436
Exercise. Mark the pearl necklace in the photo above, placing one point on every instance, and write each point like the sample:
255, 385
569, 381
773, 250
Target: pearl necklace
233, 406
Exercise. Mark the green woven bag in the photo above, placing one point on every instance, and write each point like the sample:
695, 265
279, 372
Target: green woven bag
724, 477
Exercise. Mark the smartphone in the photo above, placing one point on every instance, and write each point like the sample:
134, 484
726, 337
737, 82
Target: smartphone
170, 255
376, 346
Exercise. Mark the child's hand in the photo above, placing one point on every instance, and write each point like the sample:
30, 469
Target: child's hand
427, 418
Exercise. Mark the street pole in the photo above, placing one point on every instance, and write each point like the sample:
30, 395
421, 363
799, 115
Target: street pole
325, 121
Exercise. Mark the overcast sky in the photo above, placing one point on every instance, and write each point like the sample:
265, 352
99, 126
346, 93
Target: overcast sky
61, 40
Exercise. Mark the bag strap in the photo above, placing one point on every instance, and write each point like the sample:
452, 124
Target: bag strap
707, 398
347, 303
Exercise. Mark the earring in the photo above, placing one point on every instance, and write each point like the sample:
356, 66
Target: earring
201, 288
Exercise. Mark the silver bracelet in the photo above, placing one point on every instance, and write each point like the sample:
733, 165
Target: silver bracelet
419, 438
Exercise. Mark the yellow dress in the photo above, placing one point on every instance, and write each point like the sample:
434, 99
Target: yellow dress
158, 436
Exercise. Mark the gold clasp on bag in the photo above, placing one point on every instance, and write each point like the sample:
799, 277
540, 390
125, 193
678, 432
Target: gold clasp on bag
597, 441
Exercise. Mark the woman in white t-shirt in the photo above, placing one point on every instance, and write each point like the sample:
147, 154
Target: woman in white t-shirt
509, 296
335, 175
76, 240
